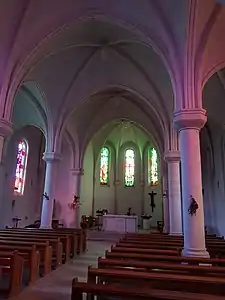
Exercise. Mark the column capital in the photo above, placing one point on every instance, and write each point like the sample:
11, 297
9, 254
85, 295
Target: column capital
51, 156
77, 171
172, 156
190, 118
6, 128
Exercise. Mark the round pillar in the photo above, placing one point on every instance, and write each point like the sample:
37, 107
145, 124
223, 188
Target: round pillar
189, 123
51, 159
174, 194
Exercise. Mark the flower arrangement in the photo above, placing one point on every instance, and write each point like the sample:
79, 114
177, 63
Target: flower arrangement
75, 204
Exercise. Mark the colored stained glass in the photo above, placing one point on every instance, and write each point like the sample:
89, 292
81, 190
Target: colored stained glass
153, 176
104, 166
22, 153
129, 167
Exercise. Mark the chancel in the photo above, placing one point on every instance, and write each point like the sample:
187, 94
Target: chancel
112, 140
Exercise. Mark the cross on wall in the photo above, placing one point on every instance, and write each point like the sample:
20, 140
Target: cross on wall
152, 196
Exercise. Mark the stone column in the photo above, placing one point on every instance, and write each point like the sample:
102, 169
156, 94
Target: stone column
51, 159
189, 123
76, 174
166, 217
174, 195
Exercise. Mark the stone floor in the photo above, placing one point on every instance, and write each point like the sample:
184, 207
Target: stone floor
57, 285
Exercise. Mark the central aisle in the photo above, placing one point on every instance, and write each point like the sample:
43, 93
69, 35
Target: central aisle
57, 285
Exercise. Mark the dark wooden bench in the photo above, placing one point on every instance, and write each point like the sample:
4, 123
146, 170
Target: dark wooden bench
162, 266
111, 292
31, 258
61, 253
69, 238
11, 264
160, 280
215, 248
43, 247
164, 258
53, 242
145, 251
78, 236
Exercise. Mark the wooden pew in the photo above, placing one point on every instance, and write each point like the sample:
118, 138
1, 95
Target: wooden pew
214, 248
175, 282
161, 266
43, 247
80, 235
79, 239
31, 258
62, 253
11, 263
145, 251
110, 292
146, 246
54, 243
164, 258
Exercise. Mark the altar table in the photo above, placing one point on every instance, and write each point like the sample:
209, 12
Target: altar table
120, 223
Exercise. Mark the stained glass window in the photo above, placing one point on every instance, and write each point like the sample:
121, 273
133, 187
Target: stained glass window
21, 164
104, 166
153, 176
129, 167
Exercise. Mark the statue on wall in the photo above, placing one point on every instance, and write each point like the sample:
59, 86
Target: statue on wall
45, 195
152, 203
193, 206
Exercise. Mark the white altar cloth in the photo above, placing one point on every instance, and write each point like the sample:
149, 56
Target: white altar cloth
120, 223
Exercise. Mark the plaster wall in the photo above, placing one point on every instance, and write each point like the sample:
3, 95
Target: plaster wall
213, 171
63, 188
27, 206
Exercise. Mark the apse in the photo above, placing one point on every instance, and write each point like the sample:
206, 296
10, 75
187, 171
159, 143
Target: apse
121, 167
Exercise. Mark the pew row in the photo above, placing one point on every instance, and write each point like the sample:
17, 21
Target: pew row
159, 280
196, 270
166, 258
110, 292
11, 266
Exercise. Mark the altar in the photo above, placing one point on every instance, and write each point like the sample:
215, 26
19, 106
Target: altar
120, 223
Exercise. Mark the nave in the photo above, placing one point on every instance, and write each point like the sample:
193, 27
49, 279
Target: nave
62, 264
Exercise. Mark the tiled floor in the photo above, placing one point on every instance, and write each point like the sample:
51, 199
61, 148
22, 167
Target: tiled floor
57, 285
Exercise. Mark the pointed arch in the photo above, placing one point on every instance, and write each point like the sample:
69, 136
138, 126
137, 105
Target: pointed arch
21, 166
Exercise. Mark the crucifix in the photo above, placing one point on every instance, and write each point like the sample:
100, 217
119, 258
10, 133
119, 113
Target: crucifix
152, 196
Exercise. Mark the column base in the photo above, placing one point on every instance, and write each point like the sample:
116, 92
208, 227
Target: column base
195, 253
176, 233
165, 230
45, 227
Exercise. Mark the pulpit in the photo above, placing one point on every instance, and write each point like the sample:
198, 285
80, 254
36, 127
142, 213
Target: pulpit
120, 223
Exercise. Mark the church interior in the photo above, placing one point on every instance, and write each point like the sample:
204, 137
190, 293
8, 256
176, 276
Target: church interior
112, 149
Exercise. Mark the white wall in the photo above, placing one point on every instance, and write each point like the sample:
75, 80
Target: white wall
213, 180
28, 205
63, 189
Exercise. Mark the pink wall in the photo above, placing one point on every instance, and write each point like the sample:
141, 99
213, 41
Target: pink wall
27, 206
